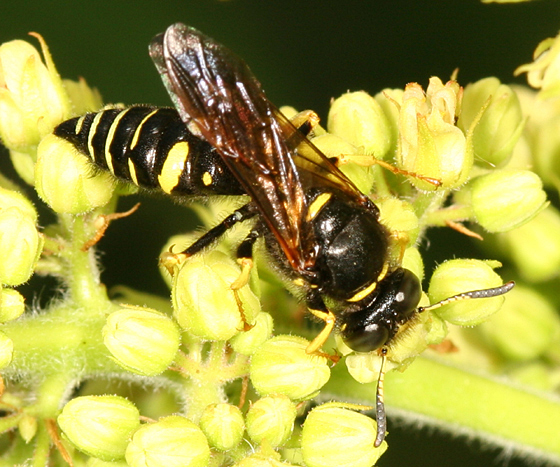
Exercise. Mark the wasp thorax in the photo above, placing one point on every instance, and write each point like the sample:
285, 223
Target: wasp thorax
375, 323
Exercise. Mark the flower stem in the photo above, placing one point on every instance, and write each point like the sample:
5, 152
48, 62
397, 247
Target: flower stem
462, 402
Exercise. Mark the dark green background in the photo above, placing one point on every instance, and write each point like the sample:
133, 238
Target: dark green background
304, 53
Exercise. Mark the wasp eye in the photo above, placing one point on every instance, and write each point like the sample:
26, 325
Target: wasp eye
363, 337
407, 295
377, 321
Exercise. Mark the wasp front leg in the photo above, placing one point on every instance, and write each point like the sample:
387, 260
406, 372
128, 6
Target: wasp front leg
317, 308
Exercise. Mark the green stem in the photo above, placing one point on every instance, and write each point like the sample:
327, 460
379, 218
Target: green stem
462, 402
42, 447
83, 275
454, 213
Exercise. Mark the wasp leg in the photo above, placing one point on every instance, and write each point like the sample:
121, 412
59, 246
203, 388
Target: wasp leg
367, 161
170, 259
245, 259
317, 308
305, 121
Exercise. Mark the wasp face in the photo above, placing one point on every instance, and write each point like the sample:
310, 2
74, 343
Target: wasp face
374, 321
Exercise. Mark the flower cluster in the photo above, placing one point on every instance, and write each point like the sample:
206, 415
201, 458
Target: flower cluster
195, 363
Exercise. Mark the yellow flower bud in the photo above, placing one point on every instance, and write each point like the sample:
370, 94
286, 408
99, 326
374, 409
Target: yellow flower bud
535, 246
525, 327
130, 331
248, 342
223, 425
399, 216
10, 198
495, 111
65, 179
100, 426
464, 275
173, 441
506, 199
32, 97
390, 101
84, 99
544, 72
204, 302
335, 436
12, 305
271, 419
429, 143
359, 119
20, 245
281, 366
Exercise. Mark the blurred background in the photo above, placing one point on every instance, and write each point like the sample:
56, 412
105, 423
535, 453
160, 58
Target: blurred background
304, 53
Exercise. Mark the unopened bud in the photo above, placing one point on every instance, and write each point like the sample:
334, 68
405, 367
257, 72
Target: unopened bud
223, 425
497, 110
204, 302
282, 366
100, 426
130, 331
505, 199
535, 246
172, 441
271, 419
358, 118
459, 276
525, 327
248, 342
12, 305
335, 436
20, 245
65, 180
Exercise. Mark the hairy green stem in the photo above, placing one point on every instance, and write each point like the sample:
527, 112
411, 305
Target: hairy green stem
494, 410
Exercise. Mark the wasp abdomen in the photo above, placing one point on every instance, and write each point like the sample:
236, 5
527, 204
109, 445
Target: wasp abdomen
152, 148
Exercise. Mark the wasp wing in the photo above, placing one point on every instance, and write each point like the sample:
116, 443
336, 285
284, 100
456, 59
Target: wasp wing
214, 89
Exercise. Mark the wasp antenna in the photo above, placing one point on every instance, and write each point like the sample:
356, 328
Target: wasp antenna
484, 293
380, 415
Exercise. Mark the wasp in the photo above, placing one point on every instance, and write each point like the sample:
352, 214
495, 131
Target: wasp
224, 137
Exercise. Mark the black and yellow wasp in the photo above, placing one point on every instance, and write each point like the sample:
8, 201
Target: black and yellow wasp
226, 138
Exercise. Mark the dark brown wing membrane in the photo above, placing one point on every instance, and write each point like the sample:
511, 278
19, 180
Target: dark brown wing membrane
314, 169
215, 89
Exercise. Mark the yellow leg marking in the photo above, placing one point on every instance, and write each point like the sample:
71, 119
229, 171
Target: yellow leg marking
243, 279
402, 240
171, 261
330, 319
